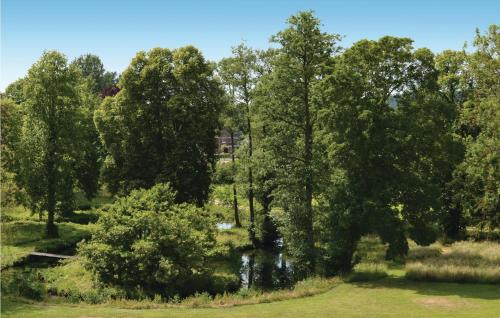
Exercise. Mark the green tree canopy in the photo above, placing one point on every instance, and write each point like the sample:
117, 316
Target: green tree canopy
48, 139
93, 68
288, 99
381, 138
161, 126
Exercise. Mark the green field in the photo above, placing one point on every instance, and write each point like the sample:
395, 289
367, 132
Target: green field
390, 297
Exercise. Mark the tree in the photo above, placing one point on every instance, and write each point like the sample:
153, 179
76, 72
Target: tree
239, 76
145, 240
93, 68
48, 142
161, 126
262, 162
480, 116
455, 85
11, 116
381, 149
287, 98
97, 82
91, 151
15, 91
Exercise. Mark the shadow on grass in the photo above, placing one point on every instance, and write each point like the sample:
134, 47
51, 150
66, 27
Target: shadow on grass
480, 291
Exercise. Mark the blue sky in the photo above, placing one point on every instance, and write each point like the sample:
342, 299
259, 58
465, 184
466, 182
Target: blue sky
116, 30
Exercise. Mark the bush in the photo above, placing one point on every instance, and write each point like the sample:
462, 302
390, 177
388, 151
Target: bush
72, 281
146, 242
224, 173
23, 283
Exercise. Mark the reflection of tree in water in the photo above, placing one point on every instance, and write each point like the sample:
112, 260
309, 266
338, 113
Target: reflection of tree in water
265, 270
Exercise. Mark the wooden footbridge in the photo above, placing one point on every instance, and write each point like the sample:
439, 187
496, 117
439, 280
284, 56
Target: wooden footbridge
49, 255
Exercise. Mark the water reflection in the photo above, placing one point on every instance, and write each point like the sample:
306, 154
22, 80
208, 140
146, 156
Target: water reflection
266, 270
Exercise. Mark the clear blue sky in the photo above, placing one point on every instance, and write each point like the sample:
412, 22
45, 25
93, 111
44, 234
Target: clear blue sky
116, 30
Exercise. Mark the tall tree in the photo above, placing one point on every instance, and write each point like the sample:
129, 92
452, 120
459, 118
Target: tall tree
287, 98
91, 150
481, 117
96, 83
380, 148
455, 86
48, 139
93, 68
161, 126
239, 76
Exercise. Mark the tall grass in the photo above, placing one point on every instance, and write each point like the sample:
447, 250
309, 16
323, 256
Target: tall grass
469, 262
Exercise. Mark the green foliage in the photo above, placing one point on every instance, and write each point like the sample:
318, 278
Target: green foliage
46, 147
161, 126
481, 117
91, 150
25, 283
147, 241
288, 104
15, 91
222, 195
239, 76
224, 173
92, 67
76, 284
387, 135
11, 114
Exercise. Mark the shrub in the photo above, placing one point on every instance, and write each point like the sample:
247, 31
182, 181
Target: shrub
224, 173
147, 242
23, 283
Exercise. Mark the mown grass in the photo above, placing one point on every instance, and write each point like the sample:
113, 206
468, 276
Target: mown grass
465, 262
389, 297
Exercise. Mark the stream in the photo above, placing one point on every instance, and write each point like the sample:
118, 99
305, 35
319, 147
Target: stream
263, 269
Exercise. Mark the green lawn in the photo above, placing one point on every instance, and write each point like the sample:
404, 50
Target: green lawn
390, 297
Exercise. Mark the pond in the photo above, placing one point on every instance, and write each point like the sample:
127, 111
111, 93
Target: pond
262, 269
266, 270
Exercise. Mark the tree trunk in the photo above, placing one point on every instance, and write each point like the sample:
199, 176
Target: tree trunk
250, 179
235, 198
308, 180
51, 228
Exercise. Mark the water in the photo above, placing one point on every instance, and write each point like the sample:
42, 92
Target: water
266, 270
224, 226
